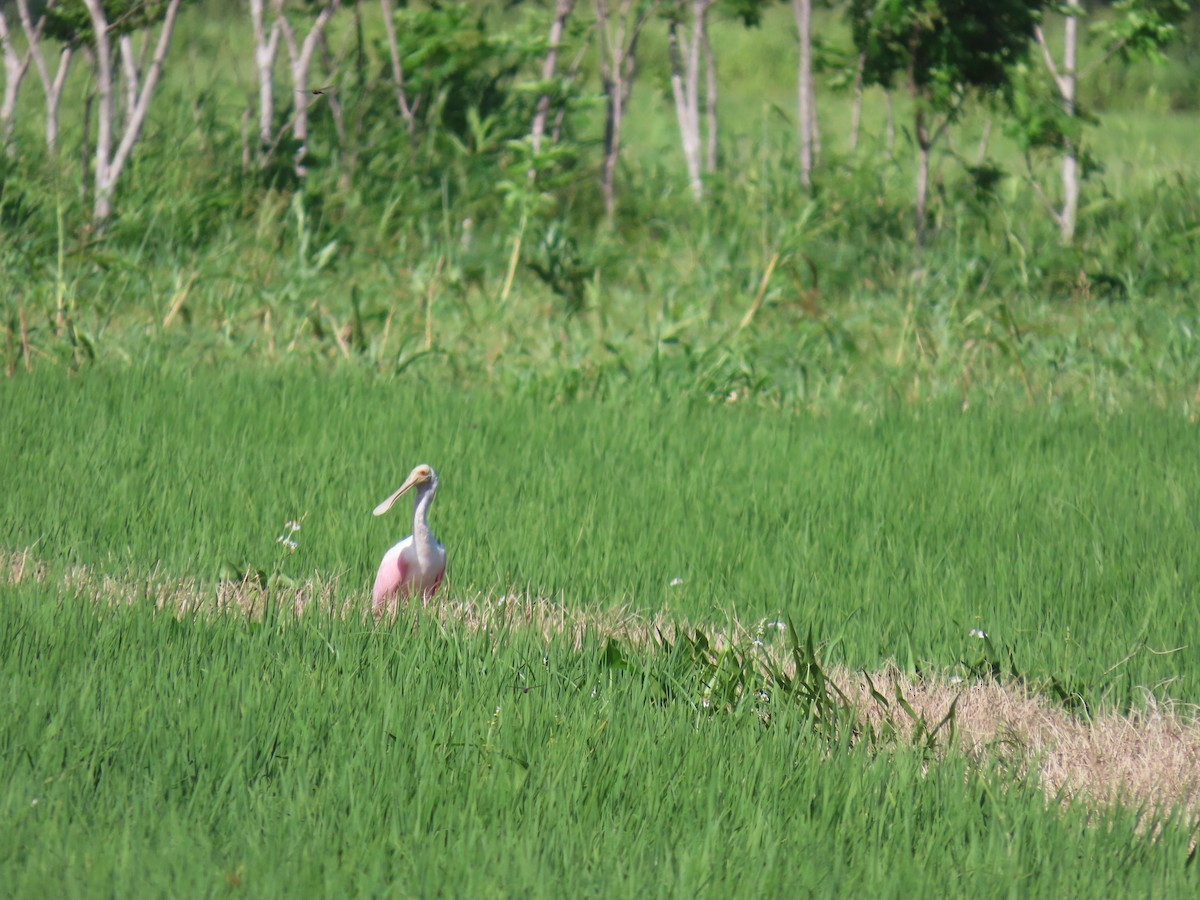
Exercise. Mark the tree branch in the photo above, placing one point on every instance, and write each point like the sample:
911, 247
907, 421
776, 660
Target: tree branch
389, 27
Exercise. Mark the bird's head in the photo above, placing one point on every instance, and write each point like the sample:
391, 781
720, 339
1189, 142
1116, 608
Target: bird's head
422, 477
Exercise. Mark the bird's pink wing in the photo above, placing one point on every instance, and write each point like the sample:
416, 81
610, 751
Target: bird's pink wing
393, 572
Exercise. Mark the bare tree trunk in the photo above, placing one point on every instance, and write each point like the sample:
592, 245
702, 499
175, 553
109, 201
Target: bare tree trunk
617, 68
51, 87
102, 191
1065, 81
109, 163
562, 9
1070, 175
407, 110
265, 47
300, 57
926, 137
802, 11
15, 67
685, 86
129, 78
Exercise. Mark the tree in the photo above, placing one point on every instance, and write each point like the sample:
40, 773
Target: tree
1134, 29
118, 19
689, 51
402, 102
943, 51
52, 87
691, 18
300, 57
617, 37
806, 95
15, 67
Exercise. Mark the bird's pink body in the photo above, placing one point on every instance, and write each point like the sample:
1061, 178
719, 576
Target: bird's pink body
403, 575
416, 565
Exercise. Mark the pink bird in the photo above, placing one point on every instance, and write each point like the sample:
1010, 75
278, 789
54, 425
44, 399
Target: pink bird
414, 566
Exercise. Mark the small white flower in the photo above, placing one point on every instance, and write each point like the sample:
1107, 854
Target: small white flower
705, 702
33, 802
292, 526
676, 582
757, 642
976, 633
956, 679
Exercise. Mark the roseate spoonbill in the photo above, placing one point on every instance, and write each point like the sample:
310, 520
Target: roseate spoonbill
414, 566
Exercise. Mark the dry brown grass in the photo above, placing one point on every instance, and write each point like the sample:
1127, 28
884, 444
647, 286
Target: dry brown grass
1150, 759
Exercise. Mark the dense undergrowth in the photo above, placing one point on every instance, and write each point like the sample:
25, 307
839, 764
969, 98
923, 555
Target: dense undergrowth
439, 255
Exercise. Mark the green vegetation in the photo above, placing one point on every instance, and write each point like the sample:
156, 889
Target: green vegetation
1065, 536
147, 755
398, 254
760, 407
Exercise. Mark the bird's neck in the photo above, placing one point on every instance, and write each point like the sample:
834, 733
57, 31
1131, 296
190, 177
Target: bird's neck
422, 536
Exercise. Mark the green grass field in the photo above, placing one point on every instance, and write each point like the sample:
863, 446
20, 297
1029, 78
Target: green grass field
1065, 535
149, 753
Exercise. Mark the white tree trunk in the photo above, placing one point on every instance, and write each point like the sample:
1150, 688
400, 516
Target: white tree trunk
802, 10
1070, 176
130, 76
617, 66
15, 67
1065, 82
109, 163
51, 87
300, 57
685, 86
265, 46
683, 89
